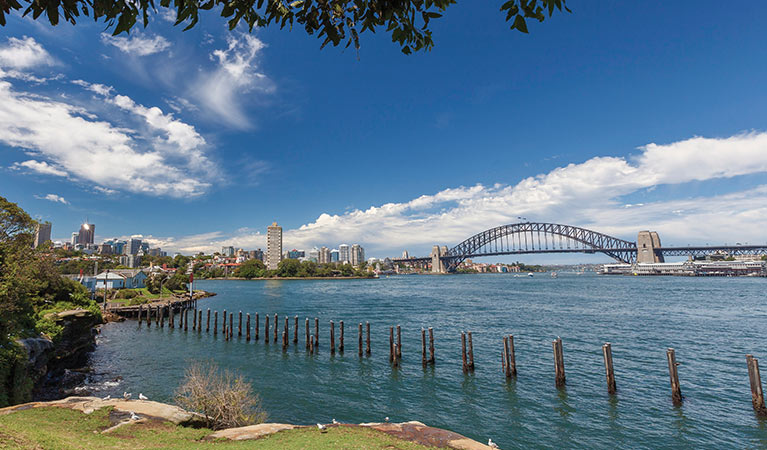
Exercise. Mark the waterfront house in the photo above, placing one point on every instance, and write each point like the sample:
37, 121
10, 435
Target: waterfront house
121, 278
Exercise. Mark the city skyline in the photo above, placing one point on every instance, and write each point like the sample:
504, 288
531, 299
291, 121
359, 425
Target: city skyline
598, 132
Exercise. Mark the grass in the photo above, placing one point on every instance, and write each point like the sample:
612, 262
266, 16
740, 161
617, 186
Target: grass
61, 428
144, 296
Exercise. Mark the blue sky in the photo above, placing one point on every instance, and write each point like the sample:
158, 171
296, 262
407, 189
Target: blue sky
202, 138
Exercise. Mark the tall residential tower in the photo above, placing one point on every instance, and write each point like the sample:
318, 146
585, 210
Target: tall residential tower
273, 246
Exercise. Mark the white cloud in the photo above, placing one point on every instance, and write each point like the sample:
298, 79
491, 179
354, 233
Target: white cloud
138, 44
586, 194
53, 198
166, 160
39, 167
237, 72
23, 54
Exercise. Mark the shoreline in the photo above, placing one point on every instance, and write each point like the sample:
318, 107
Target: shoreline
284, 278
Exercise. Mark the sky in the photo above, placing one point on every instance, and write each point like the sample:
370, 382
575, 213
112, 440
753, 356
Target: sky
618, 117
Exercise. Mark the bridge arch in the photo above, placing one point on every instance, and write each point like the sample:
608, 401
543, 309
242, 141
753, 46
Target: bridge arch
539, 237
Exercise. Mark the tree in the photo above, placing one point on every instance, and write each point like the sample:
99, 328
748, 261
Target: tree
288, 268
333, 21
252, 268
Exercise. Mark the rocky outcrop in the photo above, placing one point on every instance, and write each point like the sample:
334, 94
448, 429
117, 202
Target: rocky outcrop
57, 367
250, 432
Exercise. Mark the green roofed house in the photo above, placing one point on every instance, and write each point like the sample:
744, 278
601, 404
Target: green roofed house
121, 278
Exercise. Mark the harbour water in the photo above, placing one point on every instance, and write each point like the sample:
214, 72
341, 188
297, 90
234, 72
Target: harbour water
711, 322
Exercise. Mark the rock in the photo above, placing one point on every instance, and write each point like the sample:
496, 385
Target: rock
250, 432
39, 351
429, 436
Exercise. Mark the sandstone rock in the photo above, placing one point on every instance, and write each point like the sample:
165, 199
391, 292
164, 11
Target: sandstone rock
250, 432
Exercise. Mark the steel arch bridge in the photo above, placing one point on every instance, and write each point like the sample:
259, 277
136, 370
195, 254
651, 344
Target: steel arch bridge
538, 237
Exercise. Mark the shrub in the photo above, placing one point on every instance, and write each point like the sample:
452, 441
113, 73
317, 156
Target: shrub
15, 384
223, 397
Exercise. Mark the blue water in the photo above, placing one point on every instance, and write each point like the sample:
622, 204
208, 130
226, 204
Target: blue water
711, 322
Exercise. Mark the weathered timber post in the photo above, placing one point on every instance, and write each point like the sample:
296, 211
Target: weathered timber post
423, 347
186, 319
139, 315
171, 313
266, 328
359, 328
311, 345
215, 323
286, 331
332, 338
317, 332
194, 319
471, 352
284, 341
367, 333
295, 332
162, 317
391, 344
308, 339
199, 321
463, 352
607, 353
247, 325
509, 357
239, 325
157, 316
276, 325
757, 395
559, 362
231, 325
676, 391
207, 322
223, 326
431, 345
255, 332
341, 338
149, 316
395, 363
399, 342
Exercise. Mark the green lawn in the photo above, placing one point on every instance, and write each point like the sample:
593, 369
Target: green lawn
144, 296
61, 428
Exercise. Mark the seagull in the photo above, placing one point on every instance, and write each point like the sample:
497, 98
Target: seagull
335, 422
142, 397
321, 427
106, 398
133, 416
491, 444
386, 419
126, 395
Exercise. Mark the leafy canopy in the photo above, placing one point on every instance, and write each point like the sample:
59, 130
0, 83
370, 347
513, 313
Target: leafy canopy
333, 21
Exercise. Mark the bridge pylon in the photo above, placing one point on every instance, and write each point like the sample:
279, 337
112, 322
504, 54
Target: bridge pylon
437, 264
648, 248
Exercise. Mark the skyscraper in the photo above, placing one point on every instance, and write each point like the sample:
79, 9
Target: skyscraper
324, 256
357, 255
133, 247
86, 234
343, 253
75, 234
273, 246
42, 233
334, 255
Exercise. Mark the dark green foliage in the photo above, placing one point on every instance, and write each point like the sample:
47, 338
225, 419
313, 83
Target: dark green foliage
252, 268
15, 385
333, 21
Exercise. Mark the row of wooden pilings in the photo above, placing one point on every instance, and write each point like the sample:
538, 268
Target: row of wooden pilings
508, 359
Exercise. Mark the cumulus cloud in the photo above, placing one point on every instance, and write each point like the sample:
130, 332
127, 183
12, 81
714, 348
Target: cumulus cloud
586, 194
138, 44
24, 53
53, 198
39, 167
237, 72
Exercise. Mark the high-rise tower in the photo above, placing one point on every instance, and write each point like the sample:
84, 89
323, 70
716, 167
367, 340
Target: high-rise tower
273, 246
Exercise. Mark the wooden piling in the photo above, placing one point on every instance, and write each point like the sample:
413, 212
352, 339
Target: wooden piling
223, 326
295, 332
162, 317
308, 339
341, 338
367, 335
247, 325
186, 319
431, 345
149, 317
607, 353
359, 328
676, 391
157, 316
423, 347
463, 352
471, 352
332, 338
510, 363
276, 325
757, 395
231, 327
266, 328
215, 323
172, 316
194, 319
391, 344
395, 362
286, 331
311, 345
255, 332
398, 353
559, 362
317, 331
284, 341
239, 325
207, 322
139, 315
199, 321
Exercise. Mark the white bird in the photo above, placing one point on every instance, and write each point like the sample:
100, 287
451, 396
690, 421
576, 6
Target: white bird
142, 396
126, 395
386, 419
335, 422
491, 444
321, 426
106, 398
133, 416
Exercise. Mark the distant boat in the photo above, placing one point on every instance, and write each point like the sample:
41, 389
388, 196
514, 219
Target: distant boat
554, 275
529, 274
